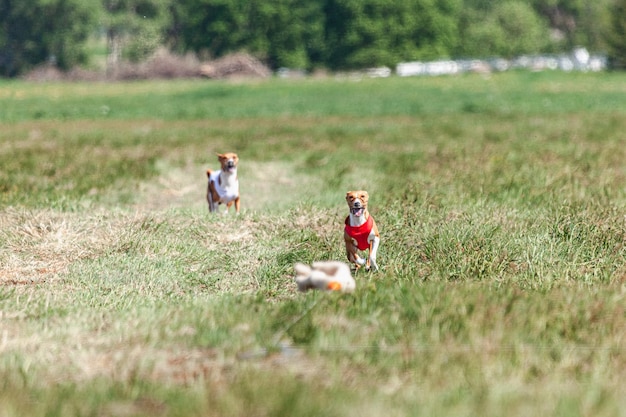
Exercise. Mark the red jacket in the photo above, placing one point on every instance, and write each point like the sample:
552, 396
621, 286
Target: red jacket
360, 233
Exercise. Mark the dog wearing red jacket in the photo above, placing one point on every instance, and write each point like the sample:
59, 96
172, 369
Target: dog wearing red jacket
360, 232
223, 187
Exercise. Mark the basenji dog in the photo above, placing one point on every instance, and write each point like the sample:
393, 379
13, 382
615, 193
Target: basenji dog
325, 276
361, 232
223, 187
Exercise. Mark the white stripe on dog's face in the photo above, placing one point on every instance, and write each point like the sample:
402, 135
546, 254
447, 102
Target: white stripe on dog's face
230, 165
357, 201
228, 161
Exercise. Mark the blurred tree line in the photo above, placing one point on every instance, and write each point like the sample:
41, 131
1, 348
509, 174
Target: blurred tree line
306, 34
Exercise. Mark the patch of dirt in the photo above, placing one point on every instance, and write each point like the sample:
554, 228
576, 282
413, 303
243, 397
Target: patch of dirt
238, 65
163, 64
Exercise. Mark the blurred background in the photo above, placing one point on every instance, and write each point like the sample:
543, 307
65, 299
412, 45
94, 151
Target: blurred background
94, 39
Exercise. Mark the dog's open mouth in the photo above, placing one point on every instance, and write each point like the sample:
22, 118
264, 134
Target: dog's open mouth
357, 211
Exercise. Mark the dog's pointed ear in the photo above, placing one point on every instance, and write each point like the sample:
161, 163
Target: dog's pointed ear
219, 155
302, 269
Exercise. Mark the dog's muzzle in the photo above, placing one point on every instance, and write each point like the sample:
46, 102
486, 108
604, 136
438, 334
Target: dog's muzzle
230, 165
357, 211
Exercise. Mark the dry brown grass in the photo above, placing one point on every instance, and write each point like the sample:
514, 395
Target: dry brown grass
163, 64
39, 245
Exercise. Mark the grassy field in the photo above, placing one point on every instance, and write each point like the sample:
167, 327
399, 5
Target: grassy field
501, 202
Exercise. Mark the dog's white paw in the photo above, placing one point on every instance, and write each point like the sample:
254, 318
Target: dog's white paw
373, 264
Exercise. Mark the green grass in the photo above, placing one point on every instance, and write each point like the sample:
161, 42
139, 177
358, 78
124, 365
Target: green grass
506, 95
501, 205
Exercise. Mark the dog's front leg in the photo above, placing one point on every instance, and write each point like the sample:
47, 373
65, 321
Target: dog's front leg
353, 257
371, 261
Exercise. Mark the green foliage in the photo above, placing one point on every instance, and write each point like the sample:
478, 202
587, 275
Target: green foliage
287, 33
283, 33
378, 32
135, 28
341, 34
575, 23
335, 34
617, 36
509, 29
344, 34
216, 27
41, 31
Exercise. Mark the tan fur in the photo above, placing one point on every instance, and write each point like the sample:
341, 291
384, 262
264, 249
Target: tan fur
213, 198
360, 199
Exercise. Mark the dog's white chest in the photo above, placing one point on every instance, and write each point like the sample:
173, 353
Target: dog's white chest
228, 190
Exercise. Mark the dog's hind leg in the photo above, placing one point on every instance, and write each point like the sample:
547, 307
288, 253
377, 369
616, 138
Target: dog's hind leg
209, 193
209, 199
